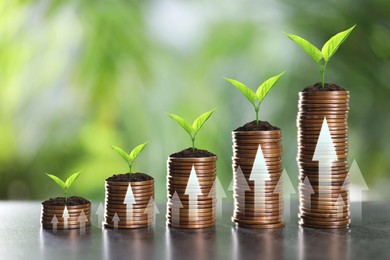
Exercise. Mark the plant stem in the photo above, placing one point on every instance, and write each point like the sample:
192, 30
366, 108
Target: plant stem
130, 165
323, 68
257, 112
193, 142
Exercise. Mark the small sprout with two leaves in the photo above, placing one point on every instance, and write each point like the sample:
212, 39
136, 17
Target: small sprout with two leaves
322, 57
193, 129
130, 158
65, 186
260, 94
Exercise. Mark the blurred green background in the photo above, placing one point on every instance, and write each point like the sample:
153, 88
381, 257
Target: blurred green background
78, 76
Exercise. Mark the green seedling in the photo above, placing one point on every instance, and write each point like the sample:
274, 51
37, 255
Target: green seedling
193, 129
130, 158
65, 186
260, 94
322, 57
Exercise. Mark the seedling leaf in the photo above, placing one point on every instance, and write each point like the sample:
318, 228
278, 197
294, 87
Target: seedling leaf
265, 87
198, 123
247, 92
332, 45
183, 123
71, 179
122, 153
58, 181
193, 129
134, 153
310, 49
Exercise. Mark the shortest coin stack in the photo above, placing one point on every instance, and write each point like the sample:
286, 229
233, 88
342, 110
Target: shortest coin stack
257, 187
323, 166
66, 217
129, 204
191, 192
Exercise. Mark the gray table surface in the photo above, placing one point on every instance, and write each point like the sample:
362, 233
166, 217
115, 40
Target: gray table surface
21, 237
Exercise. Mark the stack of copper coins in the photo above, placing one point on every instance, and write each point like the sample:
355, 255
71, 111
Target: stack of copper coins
191, 192
257, 205
136, 211
59, 218
323, 166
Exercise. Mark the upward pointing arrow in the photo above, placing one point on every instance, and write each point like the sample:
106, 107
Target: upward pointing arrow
218, 191
116, 220
82, 219
65, 216
308, 191
175, 208
129, 201
100, 214
288, 189
325, 154
152, 210
339, 206
360, 185
54, 222
193, 190
259, 175
240, 186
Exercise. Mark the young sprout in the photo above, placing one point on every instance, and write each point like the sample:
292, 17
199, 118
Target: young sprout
64, 185
260, 94
130, 158
193, 129
322, 57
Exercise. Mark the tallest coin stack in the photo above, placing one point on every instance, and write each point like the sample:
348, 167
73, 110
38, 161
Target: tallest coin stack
323, 166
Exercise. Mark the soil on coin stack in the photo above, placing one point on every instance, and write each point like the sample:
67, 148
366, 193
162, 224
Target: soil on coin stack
130, 177
190, 152
60, 201
327, 87
260, 126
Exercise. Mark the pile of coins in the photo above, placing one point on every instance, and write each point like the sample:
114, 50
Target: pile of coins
191, 192
257, 187
133, 212
323, 179
53, 217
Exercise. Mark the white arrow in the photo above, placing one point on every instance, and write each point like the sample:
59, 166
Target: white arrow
129, 201
152, 211
54, 222
100, 214
82, 219
116, 220
65, 216
218, 192
359, 185
175, 209
259, 175
193, 190
240, 185
339, 206
325, 154
307, 192
288, 189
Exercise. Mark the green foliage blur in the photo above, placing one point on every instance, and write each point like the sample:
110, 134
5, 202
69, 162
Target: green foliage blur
78, 76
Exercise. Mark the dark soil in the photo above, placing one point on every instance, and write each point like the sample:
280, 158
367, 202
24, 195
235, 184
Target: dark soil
262, 126
189, 152
71, 201
130, 177
328, 87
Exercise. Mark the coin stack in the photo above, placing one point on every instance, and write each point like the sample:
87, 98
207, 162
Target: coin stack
137, 212
324, 195
248, 212
78, 216
191, 203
